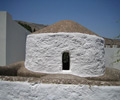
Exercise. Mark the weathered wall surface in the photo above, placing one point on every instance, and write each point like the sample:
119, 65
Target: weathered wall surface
44, 53
111, 56
31, 91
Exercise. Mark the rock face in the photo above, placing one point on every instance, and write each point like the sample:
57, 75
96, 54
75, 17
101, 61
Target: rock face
86, 53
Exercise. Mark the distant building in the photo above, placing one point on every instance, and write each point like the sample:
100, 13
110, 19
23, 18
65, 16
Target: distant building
12, 40
112, 43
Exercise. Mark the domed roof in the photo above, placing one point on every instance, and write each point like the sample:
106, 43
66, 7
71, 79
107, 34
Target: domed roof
66, 26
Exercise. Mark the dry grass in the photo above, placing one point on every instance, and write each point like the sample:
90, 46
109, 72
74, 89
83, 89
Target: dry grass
17, 72
66, 26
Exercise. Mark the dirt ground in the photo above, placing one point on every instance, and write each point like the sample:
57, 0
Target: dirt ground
17, 72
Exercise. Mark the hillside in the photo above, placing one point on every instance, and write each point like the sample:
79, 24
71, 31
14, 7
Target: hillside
38, 28
32, 26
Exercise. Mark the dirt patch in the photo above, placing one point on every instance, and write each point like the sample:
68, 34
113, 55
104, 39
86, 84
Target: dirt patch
17, 72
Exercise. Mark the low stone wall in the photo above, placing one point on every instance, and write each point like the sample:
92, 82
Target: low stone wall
111, 56
34, 91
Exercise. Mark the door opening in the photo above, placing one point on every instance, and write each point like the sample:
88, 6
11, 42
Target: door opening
65, 61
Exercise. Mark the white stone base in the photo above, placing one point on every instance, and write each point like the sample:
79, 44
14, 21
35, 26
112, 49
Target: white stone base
44, 53
31, 91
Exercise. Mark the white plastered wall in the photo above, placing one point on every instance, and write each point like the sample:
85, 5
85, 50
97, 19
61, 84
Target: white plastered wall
12, 40
44, 53
16, 41
36, 91
111, 57
2, 38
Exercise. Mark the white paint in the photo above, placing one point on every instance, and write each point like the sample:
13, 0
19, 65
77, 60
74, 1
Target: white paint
32, 91
3, 38
12, 40
111, 55
44, 53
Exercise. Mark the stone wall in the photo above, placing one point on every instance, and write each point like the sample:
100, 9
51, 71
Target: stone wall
44, 53
32, 91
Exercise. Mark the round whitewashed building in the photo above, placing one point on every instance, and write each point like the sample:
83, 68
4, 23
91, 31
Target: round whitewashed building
65, 47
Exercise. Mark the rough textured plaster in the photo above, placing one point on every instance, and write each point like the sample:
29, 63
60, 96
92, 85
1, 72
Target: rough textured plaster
44, 53
32, 91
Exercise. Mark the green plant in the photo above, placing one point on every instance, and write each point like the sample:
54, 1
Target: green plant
118, 52
26, 26
118, 36
118, 55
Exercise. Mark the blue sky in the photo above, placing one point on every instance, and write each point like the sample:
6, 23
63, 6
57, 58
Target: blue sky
100, 16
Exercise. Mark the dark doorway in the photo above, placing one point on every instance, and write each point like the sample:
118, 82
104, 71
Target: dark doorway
65, 61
